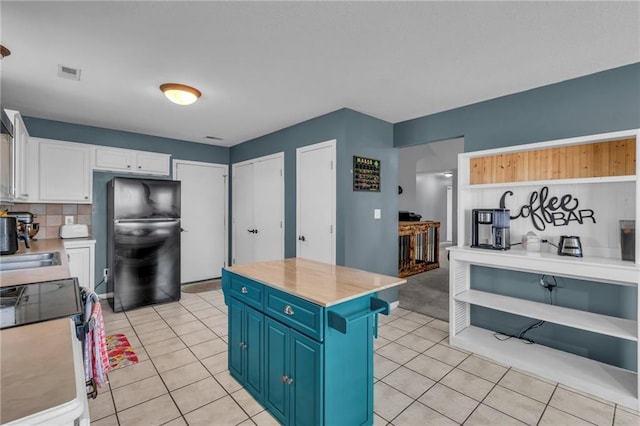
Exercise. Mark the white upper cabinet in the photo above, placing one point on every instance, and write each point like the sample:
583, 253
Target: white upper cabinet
131, 161
20, 155
64, 172
13, 181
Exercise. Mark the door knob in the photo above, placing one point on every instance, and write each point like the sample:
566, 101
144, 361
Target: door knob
302, 238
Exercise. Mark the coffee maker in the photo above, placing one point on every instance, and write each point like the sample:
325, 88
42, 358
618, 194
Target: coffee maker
490, 229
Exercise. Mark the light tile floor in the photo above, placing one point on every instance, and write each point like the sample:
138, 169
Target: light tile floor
182, 377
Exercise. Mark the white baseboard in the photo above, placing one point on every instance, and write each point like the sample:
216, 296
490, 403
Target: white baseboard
394, 305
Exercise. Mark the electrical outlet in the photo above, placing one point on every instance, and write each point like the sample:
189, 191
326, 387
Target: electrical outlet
105, 274
68, 220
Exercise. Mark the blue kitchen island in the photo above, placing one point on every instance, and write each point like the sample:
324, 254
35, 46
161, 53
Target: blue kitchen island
301, 338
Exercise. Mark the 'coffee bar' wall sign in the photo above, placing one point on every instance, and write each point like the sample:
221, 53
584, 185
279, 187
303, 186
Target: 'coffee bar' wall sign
556, 211
366, 174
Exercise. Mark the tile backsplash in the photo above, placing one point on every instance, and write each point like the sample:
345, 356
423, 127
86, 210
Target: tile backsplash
51, 216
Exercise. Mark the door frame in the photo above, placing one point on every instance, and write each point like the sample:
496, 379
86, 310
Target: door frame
225, 167
320, 145
279, 155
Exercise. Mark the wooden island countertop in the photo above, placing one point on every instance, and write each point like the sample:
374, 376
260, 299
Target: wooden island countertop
317, 282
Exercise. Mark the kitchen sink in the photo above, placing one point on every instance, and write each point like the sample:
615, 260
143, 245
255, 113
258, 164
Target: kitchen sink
29, 260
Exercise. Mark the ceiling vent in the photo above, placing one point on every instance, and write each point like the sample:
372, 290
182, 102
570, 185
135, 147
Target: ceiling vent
68, 72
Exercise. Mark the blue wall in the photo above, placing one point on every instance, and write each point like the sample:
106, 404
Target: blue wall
361, 241
597, 103
181, 150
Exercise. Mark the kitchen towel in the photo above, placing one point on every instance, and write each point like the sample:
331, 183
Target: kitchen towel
96, 361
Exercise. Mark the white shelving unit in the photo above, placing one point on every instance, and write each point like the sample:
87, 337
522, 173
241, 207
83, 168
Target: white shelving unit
601, 264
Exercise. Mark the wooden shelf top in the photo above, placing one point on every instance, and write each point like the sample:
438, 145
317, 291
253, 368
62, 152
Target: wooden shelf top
317, 282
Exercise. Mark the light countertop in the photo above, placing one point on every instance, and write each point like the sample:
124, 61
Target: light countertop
37, 361
23, 276
38, 372
317, 282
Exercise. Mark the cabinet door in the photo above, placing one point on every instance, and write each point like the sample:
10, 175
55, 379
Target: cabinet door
65, 172
305, 385
236, 338
113, 159
152, 163
276, 391
6, 174
254, 352
20, 176
79, 260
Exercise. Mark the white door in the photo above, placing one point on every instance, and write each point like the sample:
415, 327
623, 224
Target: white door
316, 202
203, 211
243, 224
258, 210
269, 209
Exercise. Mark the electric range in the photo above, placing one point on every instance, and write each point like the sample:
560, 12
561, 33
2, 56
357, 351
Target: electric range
41, 301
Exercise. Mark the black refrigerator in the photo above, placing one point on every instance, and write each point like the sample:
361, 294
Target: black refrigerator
143, 242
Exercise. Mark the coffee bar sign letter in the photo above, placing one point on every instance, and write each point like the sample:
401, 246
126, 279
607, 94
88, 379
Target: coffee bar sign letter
546, 210
366, 174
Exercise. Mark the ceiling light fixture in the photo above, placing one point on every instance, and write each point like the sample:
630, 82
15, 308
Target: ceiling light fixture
180, 94
4, 51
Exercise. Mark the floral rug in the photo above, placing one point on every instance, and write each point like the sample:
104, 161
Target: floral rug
120, 351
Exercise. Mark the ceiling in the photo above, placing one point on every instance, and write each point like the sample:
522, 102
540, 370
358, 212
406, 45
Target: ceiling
262, 66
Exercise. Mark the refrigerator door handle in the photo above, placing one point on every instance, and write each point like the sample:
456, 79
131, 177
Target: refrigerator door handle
145, 220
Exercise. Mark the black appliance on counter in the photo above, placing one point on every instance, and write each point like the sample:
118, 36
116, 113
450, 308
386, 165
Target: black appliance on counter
143, 244
405, 216
42, 301
490, 229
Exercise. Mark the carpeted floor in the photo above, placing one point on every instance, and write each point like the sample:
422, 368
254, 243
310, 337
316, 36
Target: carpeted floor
428, 293
202, 286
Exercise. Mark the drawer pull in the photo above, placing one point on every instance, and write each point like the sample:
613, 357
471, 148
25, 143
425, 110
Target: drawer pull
244, 290
288, 310
287, 380
243, 345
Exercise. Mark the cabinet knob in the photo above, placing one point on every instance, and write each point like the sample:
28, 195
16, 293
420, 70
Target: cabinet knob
128, 166
139, 167
288, 310
286, 380
86, 197
243, 345
244, 290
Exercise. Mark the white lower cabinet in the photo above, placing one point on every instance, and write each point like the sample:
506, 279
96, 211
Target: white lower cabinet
81, 258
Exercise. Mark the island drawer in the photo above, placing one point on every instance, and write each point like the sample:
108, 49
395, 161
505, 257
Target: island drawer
294, 312
247, 291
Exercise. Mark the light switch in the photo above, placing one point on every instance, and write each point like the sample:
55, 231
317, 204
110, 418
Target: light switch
377, 214
68, 220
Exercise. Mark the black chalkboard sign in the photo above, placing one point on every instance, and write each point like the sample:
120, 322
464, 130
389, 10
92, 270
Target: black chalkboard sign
366, 174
